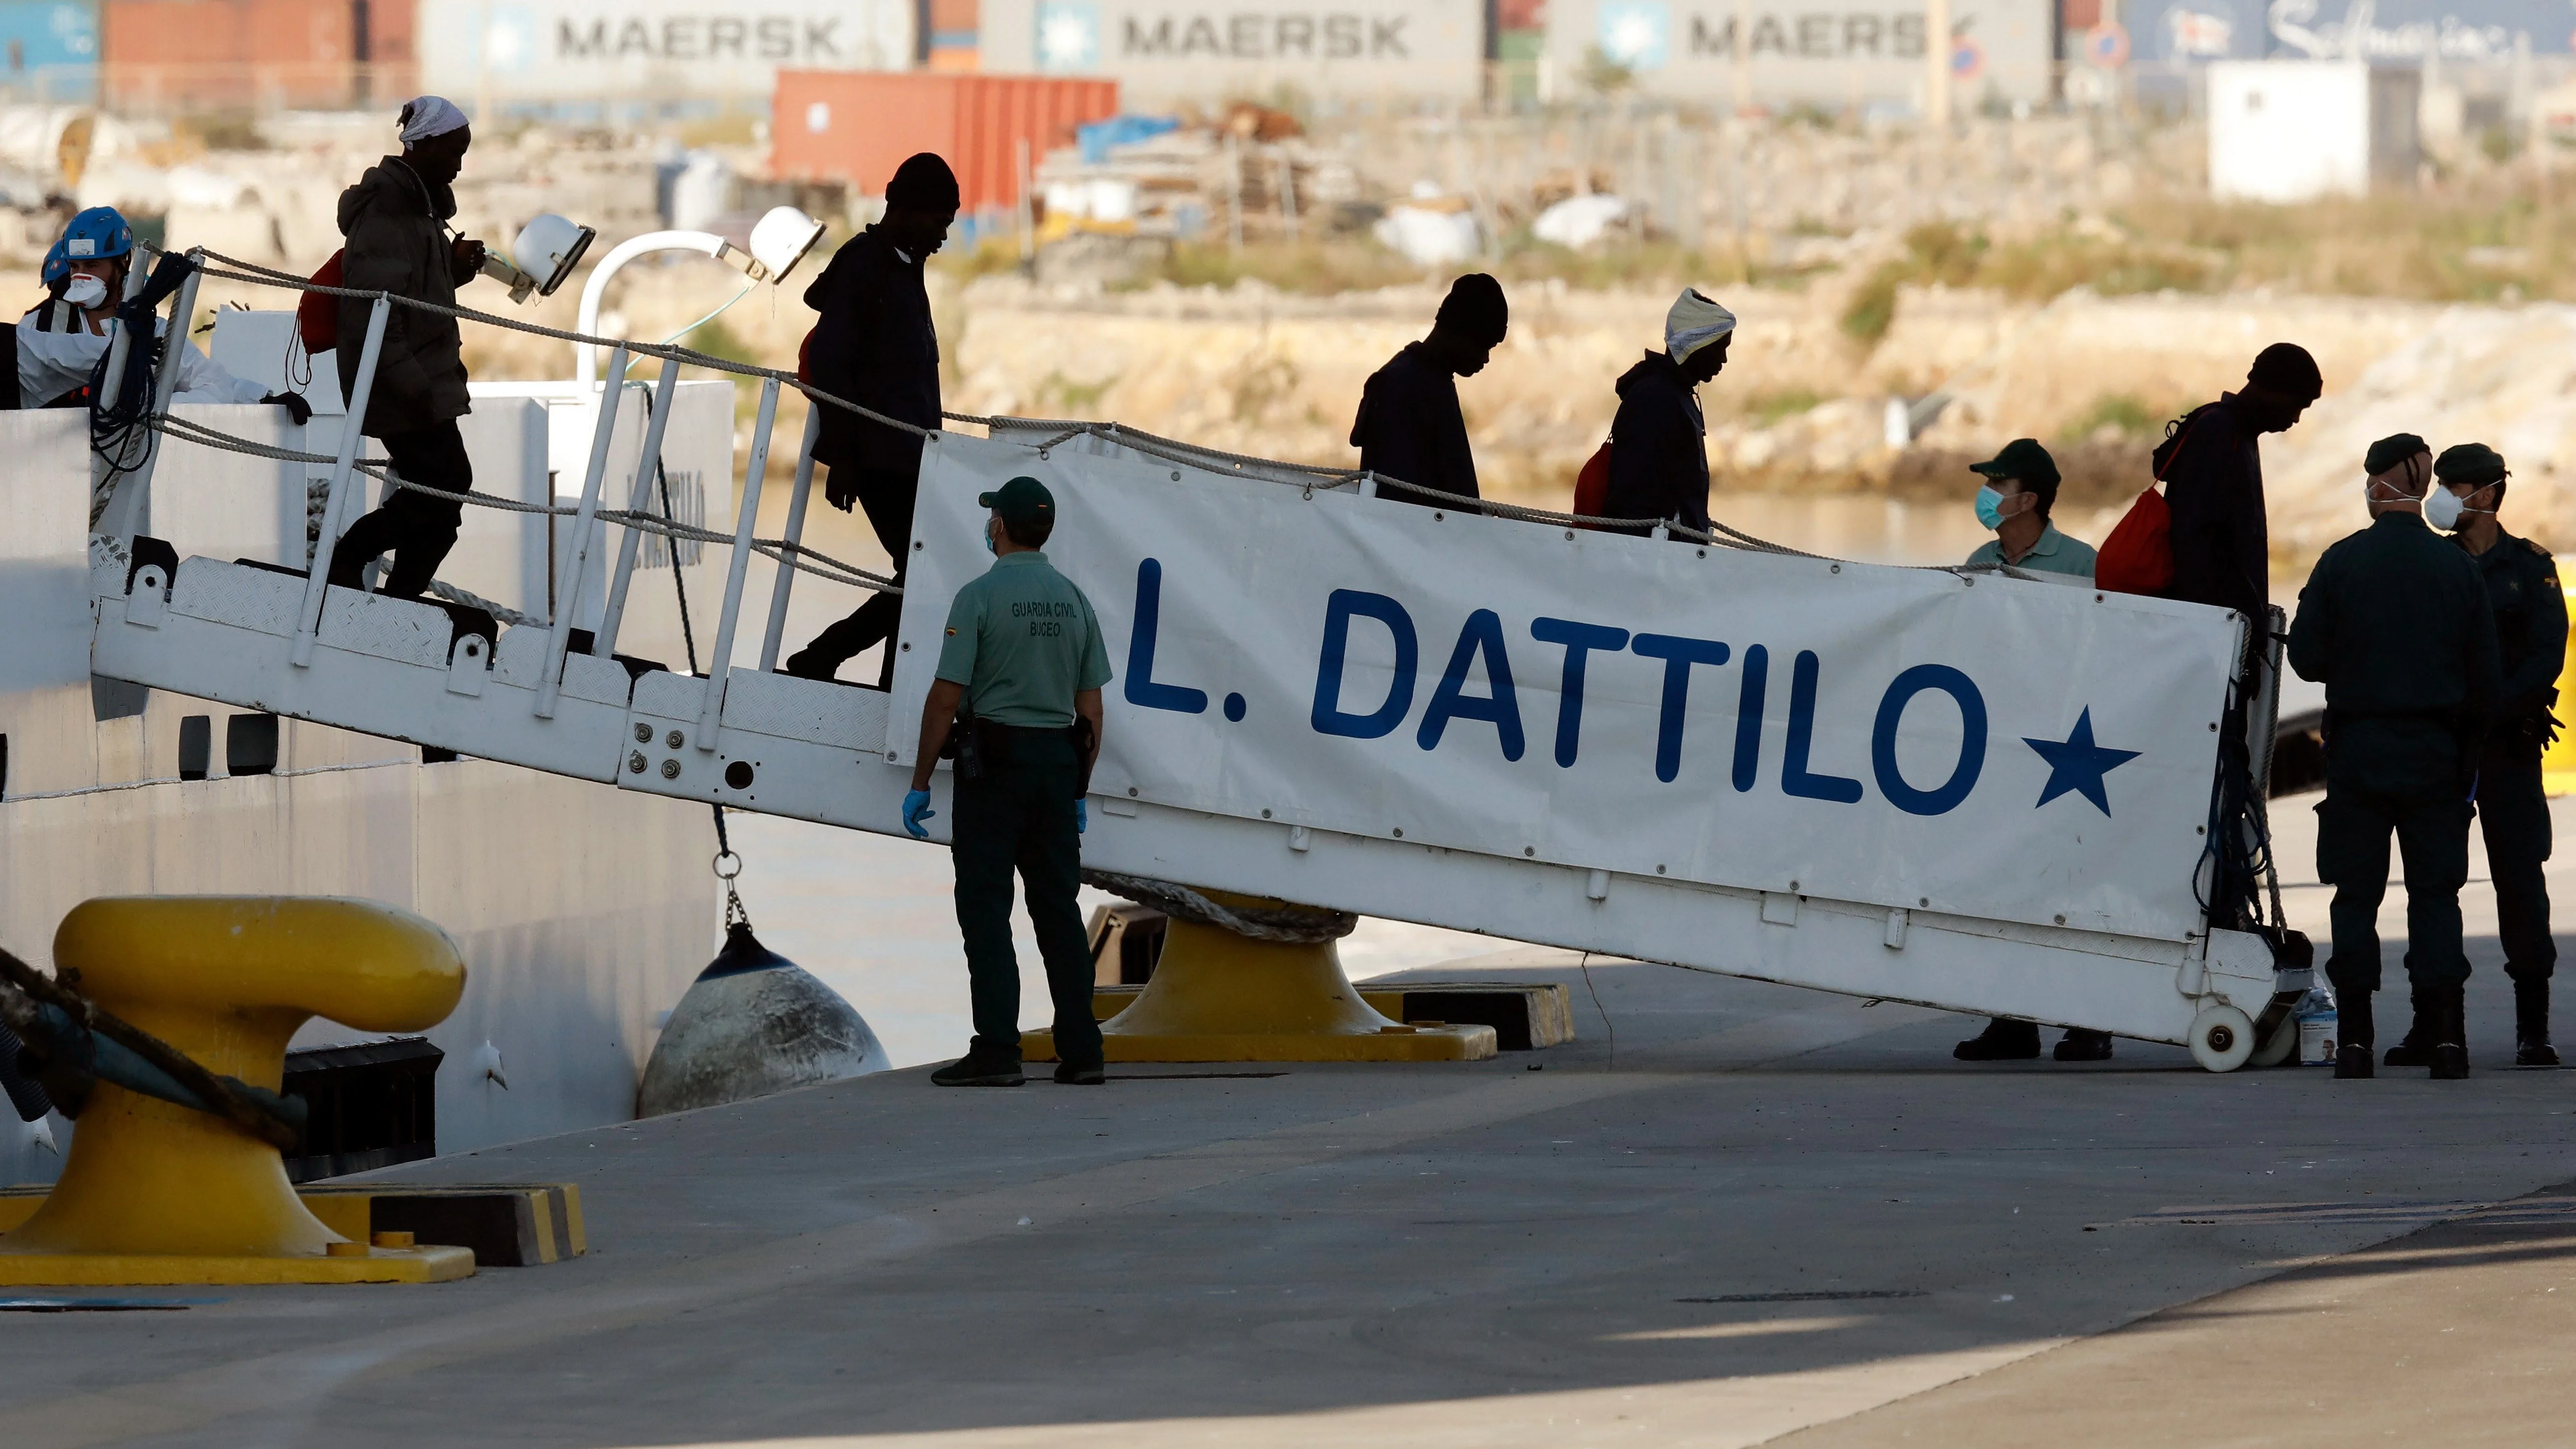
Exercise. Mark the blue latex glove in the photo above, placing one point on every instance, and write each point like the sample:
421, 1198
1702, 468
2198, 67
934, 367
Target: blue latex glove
1081, 817
916, 809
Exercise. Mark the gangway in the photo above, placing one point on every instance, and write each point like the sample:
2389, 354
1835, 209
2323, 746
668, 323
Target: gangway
1975, 791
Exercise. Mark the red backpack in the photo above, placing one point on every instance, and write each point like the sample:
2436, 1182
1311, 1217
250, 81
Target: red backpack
317, 317
2138, 556
1592, 485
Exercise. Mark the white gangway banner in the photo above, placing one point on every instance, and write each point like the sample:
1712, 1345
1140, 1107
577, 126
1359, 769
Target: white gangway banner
1910, 738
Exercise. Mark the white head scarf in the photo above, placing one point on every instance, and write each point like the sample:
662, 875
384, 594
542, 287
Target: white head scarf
430, 116
1694, 323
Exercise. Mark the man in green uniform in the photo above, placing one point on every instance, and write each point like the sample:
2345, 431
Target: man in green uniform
1024, 658
2394, 623
2531, 647
2019, 488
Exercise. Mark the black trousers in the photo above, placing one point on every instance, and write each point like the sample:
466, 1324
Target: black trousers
2514, 814
2432, 832
1019, 816
417, 528
886, 494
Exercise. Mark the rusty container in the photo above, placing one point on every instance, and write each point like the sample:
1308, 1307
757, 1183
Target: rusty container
856, 127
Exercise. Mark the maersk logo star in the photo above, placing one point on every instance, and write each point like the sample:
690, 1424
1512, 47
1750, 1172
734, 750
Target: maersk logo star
2076, 765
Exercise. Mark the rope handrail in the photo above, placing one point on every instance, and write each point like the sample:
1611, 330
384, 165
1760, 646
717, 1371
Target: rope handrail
1718, 535
824, 566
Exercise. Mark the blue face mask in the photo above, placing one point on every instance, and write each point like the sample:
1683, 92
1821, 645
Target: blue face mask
1990, 507
989, 546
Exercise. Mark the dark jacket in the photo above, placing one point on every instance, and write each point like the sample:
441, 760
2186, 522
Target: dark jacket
2213, 476
395, 223
874, 346
2531, 629
1658, 447
2394, 623
1409, 427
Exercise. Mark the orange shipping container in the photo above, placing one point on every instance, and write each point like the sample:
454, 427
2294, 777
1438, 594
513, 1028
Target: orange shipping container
857, 126
156, 54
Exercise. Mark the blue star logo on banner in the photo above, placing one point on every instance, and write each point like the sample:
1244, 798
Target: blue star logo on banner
2076, 765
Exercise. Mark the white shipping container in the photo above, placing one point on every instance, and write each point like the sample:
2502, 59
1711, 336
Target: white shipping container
1163, 52
1811, 52
2292, 130
545, 50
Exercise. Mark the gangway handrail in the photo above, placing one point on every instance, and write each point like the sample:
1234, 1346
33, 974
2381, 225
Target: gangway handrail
1717, 535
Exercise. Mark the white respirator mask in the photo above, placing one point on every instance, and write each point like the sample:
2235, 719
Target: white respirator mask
85, 290
2442, 508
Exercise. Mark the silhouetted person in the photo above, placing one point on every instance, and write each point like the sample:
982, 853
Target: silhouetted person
2213, 475
1409, 426
874, 345
395, 220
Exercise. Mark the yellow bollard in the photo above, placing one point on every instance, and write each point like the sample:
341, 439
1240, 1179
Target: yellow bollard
1218, 996
158, 1193
2558, 764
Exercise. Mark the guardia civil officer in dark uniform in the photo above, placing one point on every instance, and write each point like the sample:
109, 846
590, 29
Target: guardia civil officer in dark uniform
2531, 647
1023, 655
2394, 623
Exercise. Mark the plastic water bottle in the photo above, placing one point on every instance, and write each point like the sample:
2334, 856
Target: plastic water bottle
2318, 1034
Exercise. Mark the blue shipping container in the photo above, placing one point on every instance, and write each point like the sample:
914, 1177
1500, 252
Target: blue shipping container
49, 50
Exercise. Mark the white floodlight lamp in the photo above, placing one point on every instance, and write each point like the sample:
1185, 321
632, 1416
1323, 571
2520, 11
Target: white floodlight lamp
547, 250
778, 243
779, 240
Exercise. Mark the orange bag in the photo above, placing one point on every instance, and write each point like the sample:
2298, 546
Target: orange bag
1592, 485
317, 317
2138, 556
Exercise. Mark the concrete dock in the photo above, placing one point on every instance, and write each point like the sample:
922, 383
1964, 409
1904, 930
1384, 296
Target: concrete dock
1730, 1213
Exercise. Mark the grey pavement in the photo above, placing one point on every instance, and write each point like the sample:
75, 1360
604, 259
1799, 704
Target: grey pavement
1727, 1213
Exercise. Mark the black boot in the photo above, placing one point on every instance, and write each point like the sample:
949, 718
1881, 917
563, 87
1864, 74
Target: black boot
2081, 1045
2415, 1049
2451, 1034
2001, 1041
2353, 1019
2531, 1046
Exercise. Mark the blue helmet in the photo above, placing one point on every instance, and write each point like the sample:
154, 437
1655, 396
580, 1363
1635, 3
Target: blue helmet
57, 265
98, 232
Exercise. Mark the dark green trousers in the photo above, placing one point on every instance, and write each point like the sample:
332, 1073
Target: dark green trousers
2432, 833
2514, 814
1019, 817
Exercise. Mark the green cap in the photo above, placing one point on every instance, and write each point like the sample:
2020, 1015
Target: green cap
2390, 451
2022, 458
1021, 502
2469, 463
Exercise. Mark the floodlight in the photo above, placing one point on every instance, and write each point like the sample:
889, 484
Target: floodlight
779, 240
547, 250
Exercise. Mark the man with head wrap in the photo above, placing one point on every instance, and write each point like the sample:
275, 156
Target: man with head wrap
2531, 644
395, 220
1659, 439
1409, 426
2395, 624
874, 345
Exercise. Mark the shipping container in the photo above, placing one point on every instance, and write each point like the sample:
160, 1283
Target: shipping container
1171, 52
657, 52
264, 55
51, 47
837, 126
1830, 53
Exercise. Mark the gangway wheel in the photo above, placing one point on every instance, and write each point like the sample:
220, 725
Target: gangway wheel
2222, 1037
